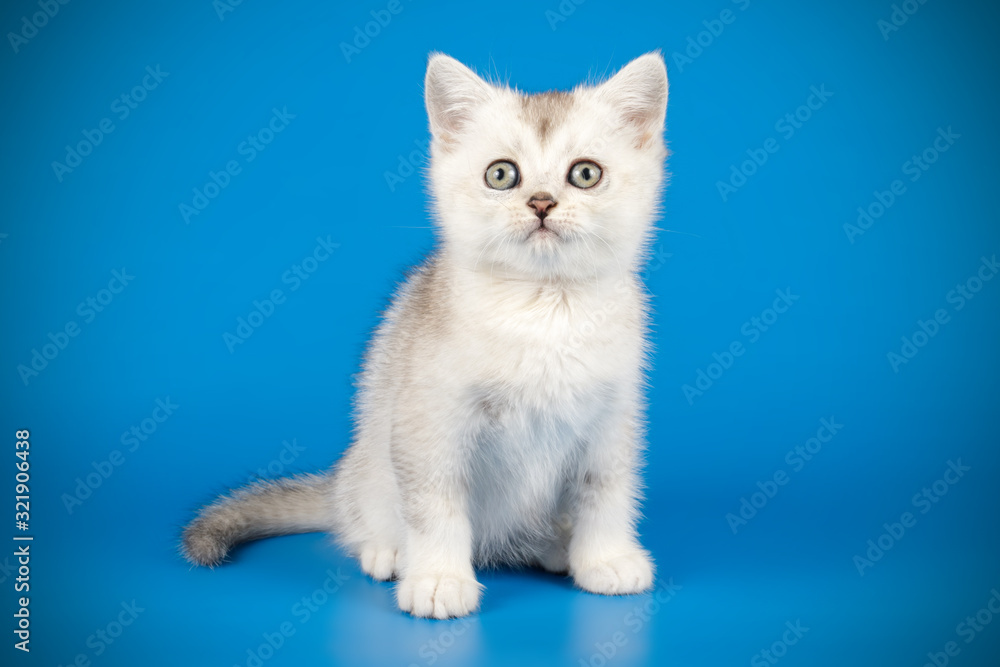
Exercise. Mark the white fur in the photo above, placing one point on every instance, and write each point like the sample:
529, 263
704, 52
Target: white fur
499, 415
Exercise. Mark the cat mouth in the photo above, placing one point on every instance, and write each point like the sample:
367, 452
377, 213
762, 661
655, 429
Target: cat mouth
543, 231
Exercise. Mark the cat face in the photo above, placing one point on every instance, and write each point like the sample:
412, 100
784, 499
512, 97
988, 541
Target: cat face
559, 185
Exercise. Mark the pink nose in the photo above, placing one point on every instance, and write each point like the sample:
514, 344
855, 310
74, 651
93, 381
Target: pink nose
541, 206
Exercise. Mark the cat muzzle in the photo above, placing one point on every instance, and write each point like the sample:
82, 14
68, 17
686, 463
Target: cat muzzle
541, 202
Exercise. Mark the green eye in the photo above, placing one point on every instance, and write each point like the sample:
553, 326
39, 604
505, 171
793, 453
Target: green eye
502, 175
584, 174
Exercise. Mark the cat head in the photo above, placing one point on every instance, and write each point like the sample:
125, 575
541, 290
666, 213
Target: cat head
557, 185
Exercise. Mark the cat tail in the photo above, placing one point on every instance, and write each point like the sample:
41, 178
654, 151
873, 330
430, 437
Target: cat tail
299, 504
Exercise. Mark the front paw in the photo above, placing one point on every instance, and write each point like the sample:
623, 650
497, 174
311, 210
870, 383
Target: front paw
438, 595
620, 575
379, 562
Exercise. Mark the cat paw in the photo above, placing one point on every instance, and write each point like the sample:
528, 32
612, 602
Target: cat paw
621, 575
438, 596
379, 563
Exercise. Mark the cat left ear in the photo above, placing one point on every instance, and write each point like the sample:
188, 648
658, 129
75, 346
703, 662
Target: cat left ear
639, 92
451, 92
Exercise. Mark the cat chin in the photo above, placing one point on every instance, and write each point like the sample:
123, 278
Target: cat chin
545, 265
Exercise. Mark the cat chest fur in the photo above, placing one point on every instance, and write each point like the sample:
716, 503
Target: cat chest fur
554, 349
551, 370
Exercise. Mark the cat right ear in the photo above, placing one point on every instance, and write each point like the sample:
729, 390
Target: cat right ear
639, 93
451, 92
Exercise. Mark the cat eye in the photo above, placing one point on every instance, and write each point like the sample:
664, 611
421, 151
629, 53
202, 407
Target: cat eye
502, 175
584, 174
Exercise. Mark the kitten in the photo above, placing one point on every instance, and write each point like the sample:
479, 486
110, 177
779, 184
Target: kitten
499, 417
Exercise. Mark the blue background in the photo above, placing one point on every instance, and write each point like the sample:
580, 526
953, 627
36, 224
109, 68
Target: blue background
720, 262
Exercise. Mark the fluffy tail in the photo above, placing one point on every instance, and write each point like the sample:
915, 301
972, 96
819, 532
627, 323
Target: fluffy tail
297, 504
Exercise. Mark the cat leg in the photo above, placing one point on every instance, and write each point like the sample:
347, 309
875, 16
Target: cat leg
436, 575
379, 553
554, 555
369, 525
604, 551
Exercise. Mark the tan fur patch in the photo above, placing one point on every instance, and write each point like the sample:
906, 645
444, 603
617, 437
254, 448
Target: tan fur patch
546, 111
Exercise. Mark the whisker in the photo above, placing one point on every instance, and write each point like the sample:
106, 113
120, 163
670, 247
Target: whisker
494, 264
613, 253
488, 244
593, 256
672, 231
602, 240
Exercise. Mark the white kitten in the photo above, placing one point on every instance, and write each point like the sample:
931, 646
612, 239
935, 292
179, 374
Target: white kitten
499, 413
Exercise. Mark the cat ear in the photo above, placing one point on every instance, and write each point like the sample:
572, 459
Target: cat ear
639, 93
451, 92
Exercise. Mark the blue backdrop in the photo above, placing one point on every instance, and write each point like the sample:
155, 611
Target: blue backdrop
206, 205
